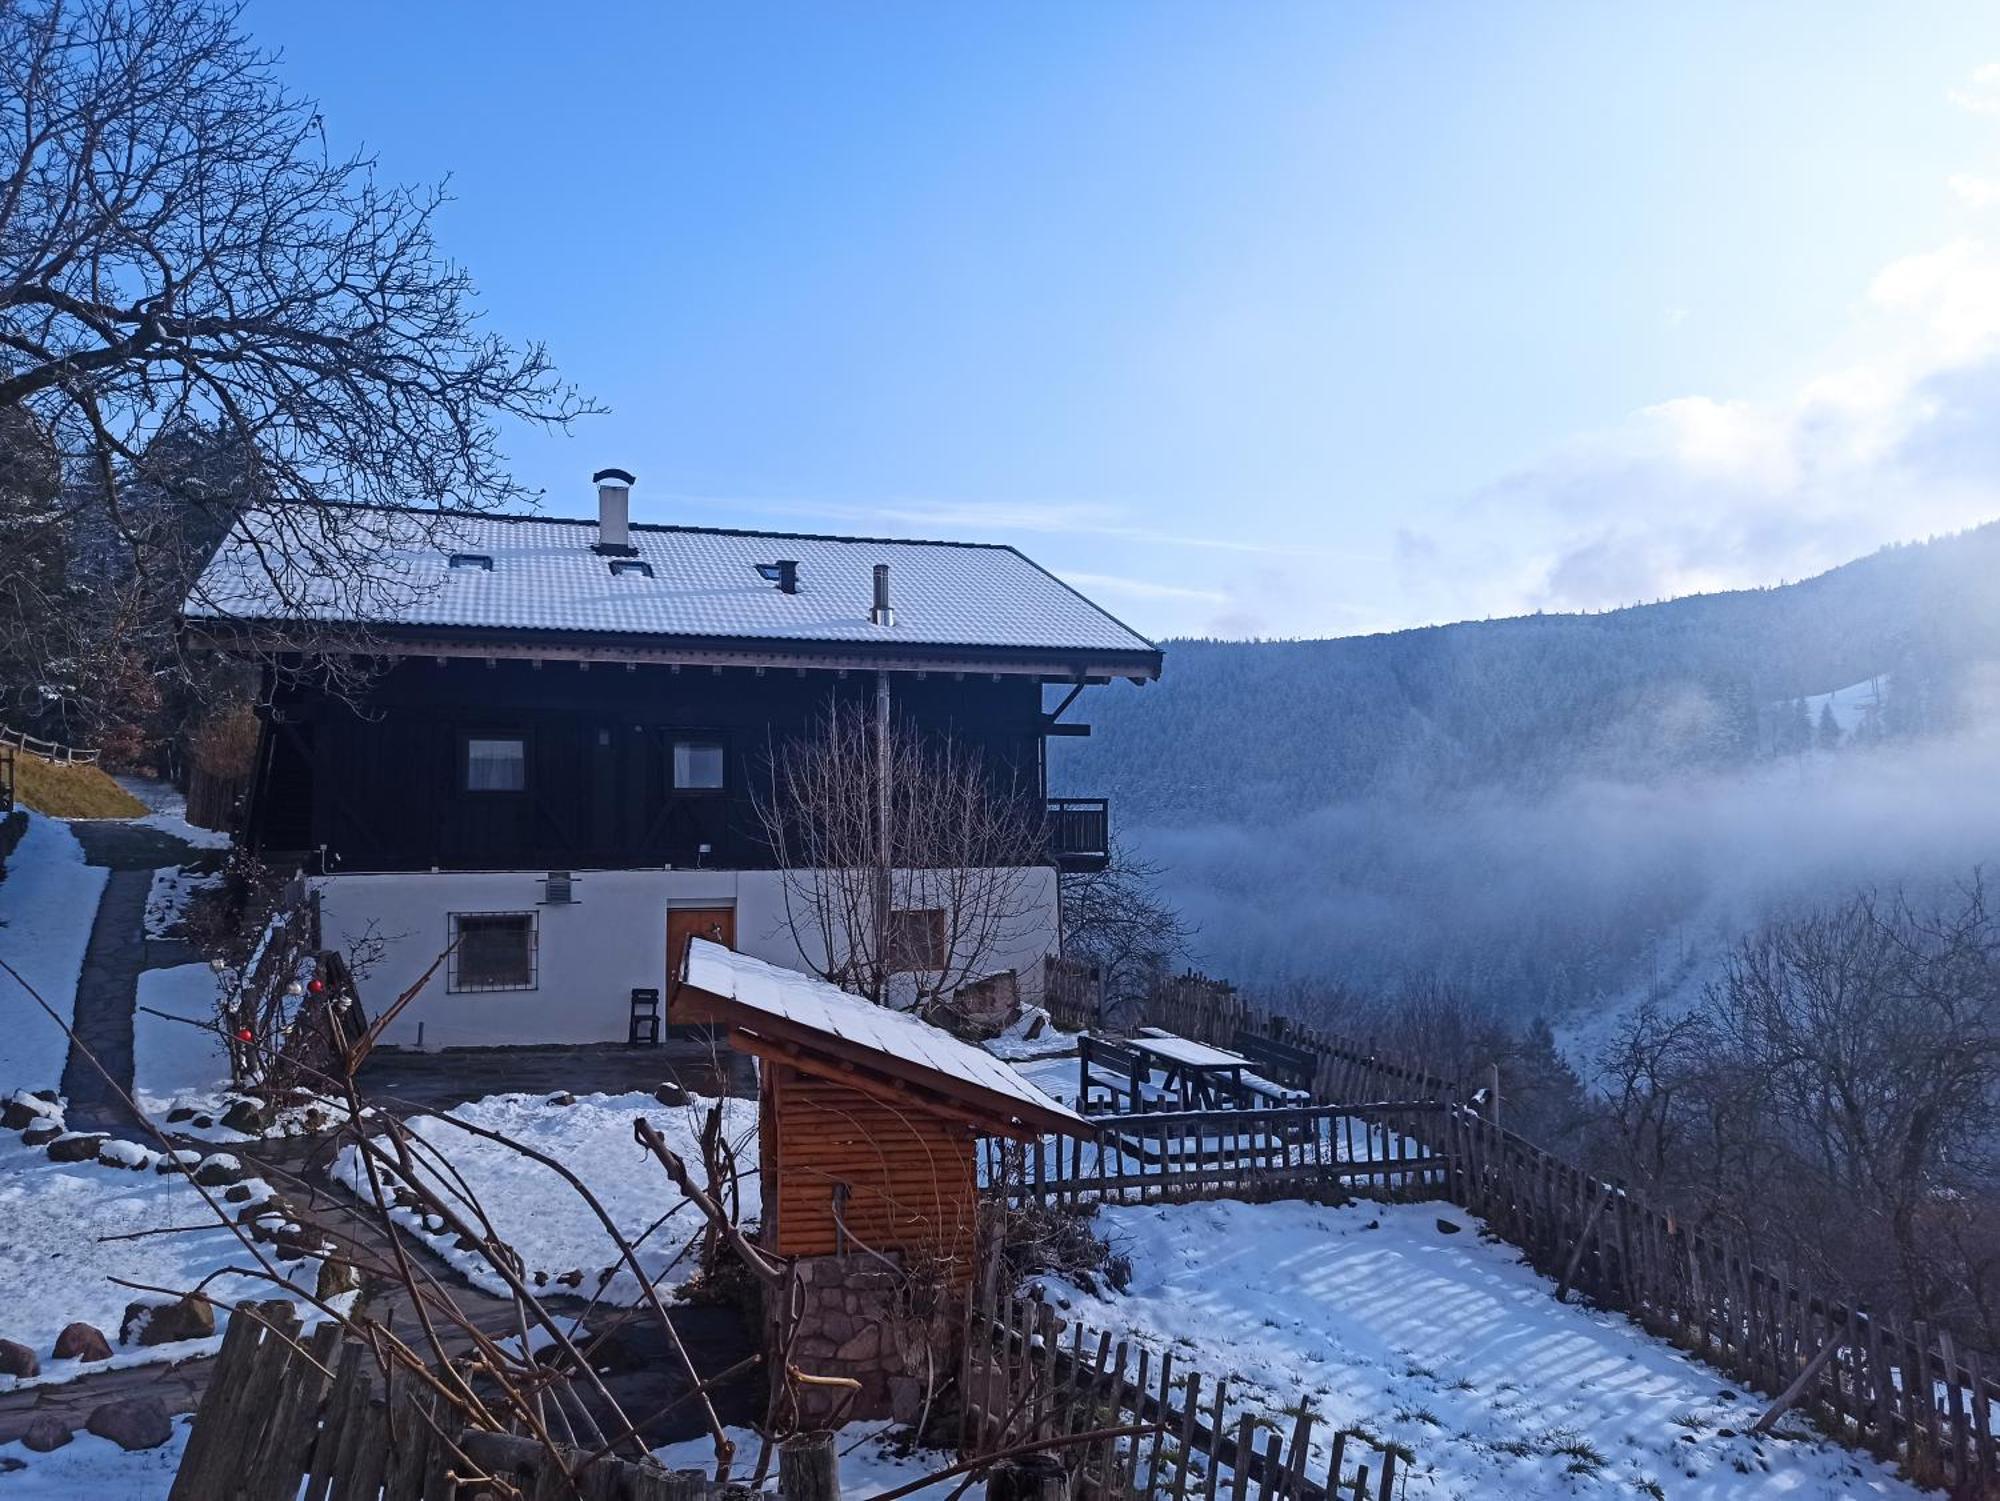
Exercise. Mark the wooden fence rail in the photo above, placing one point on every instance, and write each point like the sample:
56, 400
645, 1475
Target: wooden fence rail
306, 1417
1029, 1376
1160, 1156
47, 750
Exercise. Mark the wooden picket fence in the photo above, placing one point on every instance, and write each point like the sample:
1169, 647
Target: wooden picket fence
1030, 1377
1868, 1382
292, 1416
1072, 993
1163, 1156
1903, 1393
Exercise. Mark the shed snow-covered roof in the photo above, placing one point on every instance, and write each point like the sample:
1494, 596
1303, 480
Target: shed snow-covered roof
785, 1006
530, 574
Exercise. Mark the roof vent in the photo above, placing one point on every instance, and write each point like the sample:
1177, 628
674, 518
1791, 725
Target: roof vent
472, 560
880, 613
784, 573
557, 890
623, 566
614, 511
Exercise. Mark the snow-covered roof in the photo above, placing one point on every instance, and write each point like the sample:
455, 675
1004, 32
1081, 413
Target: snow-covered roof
795, 1002
526, 573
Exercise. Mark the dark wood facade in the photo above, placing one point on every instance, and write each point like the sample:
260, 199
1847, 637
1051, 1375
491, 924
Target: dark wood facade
384, 786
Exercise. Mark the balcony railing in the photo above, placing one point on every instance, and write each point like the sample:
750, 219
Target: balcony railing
1079, 832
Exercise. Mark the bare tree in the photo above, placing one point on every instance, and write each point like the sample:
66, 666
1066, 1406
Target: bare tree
180, 249
1116, 919
1835, 1098
908, 870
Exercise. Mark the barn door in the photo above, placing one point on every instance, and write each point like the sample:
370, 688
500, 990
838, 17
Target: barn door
716, 924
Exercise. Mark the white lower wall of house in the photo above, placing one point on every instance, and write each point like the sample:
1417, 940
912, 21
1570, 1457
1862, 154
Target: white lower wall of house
591, 953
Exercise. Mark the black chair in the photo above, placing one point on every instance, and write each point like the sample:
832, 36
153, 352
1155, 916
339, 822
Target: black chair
645, 1018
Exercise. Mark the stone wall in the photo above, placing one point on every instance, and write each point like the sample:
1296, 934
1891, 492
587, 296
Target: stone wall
885, 1329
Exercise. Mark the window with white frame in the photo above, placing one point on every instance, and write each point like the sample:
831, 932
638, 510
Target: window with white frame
697, 765
493, 951
496, 763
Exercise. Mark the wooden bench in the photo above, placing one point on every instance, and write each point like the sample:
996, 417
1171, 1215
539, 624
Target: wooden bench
1110, 1073
1281, 1063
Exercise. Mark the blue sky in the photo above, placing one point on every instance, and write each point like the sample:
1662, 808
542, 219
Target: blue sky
1248, 319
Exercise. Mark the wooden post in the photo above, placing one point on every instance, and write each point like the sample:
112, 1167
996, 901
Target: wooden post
1031, 1477
809, 1467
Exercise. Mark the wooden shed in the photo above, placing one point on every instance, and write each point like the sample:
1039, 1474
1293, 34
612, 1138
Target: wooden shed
868, 1118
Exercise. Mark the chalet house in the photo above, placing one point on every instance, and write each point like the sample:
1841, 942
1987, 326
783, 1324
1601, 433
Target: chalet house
552, 768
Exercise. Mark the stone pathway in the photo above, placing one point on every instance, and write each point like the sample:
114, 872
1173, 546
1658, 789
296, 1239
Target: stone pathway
107, 990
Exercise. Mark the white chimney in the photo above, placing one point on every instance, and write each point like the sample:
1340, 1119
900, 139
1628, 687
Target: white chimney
614, 511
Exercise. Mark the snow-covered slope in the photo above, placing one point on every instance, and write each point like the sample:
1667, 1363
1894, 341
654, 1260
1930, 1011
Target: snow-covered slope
1448, 1344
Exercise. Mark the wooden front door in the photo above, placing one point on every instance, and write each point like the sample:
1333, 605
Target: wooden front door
716, 924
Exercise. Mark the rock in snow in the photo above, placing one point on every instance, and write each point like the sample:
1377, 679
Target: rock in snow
16, 1359
46, 1432
80, 1341
132, 1423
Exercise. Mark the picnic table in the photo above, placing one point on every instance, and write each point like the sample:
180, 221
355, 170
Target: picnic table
1200, 1076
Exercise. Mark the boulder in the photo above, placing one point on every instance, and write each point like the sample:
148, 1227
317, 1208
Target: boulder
671, 1094
336, 1277
16, 1359
562, 1097
219, 1171
81, 1341
182, 1161
76, 1146
238, 1193
247, 1116
202, 1122
24, 1110
180, 1113
46, 1432
132, 1423
41, 1133
52, 1096
165, 1323
126, 1154
1446, 1227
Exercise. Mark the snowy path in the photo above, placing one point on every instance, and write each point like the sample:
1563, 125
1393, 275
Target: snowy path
47, 901
1447, 1343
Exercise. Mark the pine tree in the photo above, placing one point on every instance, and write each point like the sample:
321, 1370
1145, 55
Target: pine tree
1828, 734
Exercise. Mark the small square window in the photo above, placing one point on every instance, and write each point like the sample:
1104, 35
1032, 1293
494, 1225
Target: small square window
697, 765
916, 940
471, 562
622, 566
493, 951
496, 764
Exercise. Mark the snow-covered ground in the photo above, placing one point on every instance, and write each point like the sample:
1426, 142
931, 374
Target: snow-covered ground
47, 903
173, 889
540, 1215
875, 1457
1448, 1344
95, 1468
172, 1060
67, 1229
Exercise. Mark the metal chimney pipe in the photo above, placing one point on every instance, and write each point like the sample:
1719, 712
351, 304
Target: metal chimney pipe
881, 614
614, 510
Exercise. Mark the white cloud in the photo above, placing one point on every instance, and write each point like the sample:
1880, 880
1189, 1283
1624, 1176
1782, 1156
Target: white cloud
1982, 95
1111, 583
1974, 192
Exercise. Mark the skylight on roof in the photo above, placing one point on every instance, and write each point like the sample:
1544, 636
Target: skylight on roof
620, 566
473, 560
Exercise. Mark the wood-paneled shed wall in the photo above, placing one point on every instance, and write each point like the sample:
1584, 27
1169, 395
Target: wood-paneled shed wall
909, 1173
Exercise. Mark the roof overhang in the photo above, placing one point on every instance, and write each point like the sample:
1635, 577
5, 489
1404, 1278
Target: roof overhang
812, 1051
1068, 664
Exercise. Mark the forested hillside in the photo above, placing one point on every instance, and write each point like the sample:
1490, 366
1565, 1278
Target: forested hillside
1554, 809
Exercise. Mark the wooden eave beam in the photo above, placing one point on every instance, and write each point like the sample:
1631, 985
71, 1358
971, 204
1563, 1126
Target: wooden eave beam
211, 636
882, 1086
692, 1004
